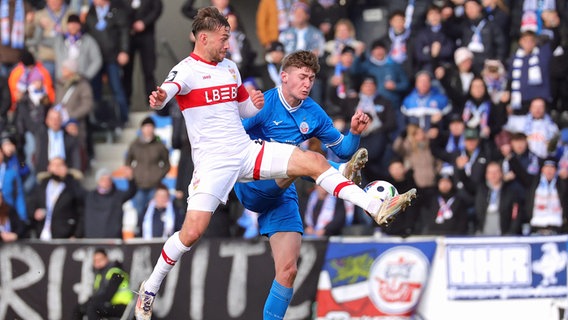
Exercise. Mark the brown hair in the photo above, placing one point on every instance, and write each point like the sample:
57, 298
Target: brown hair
301, 59
208, 19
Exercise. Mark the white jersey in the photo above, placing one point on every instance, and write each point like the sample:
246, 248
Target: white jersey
209, 95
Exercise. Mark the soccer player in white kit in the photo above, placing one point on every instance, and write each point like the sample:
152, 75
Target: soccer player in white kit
213, 100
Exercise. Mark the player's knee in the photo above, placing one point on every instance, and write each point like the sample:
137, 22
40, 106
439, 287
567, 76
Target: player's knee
188, 236
289, 273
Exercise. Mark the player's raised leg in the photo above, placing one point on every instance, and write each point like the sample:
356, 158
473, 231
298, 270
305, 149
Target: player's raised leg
315, 165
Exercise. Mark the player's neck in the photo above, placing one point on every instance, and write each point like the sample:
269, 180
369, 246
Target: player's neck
292, 102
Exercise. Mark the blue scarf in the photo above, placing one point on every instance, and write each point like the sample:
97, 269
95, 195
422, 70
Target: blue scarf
57, 18
476, 116
16, 37
398, 49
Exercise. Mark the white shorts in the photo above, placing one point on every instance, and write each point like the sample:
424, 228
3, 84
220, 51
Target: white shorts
261, 160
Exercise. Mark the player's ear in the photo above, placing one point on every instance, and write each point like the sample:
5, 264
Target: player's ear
284, 76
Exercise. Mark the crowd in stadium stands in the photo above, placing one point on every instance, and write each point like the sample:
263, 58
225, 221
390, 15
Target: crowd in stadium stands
468, 101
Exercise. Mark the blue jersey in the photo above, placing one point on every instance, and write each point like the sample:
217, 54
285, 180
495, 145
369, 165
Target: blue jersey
277, 121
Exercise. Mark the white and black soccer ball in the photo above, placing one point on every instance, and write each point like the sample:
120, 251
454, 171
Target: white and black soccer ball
380, 190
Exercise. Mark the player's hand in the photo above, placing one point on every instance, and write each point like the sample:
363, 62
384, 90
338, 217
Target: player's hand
157, 98
359, 122
257, 98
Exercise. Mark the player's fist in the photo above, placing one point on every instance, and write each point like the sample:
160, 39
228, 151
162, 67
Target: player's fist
257, 98
157, 98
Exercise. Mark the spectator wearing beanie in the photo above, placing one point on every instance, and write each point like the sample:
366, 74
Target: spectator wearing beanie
21, 77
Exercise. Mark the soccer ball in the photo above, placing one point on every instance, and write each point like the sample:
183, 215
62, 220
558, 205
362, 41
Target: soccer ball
380, 190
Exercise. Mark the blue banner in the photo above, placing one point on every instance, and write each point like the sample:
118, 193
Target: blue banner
506, 267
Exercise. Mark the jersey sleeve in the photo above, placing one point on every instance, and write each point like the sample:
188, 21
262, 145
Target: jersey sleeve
342, 146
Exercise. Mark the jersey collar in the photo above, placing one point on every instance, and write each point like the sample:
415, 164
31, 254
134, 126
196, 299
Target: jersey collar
198, 58
285, 103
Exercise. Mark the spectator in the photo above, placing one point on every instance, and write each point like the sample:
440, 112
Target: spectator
425, 105
444, 213
342, 84
495, 77
397, 39
29, 118
536, 125
57, 203
103, 205
499, 14
269, 72
325, 214
325, 15
414, 148
272, 17
300, 35
499, 205
449, 144
12, 227
456, 79
547, 204
5, 103
107, 22
30, 76
481, 36
344, 36
12, 189
431, 46
111, 290
392, 81
472, 161
149, 160
48, 24
480, 113
142, 18
19, 15
529, 73
74, 98
240, 50
78, 46
161, 218
518, 148
383, 123
14, 158
52, 141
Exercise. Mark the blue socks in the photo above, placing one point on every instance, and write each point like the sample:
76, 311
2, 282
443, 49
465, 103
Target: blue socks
277, 302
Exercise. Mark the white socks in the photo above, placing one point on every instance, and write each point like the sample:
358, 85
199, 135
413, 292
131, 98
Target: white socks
336, 184
172, 251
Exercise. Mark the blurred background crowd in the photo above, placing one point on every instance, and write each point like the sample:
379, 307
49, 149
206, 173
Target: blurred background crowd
468, 101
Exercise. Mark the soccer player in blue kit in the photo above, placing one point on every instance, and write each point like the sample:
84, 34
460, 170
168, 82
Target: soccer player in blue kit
288, 119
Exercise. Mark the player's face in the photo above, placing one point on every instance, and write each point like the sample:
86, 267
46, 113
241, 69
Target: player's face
217, 44
298, 82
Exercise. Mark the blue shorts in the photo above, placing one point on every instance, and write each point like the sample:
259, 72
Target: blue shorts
278, 209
